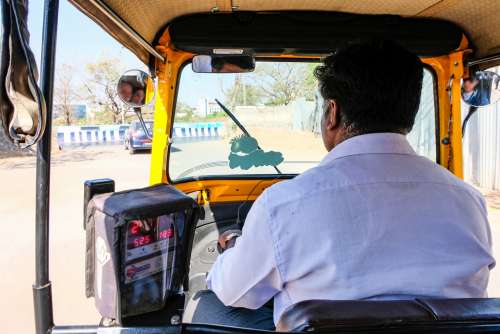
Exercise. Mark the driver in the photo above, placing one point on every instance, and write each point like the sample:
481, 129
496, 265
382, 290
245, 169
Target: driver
125, 90
474, 94
235, 64
373, 221
138, 97
477, 91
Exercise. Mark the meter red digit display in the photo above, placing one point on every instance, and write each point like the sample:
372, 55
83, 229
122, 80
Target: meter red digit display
167, 234
135, 227
146, 231
142, 240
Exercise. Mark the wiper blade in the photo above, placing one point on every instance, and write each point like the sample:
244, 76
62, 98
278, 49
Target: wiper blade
235, 120
242, 128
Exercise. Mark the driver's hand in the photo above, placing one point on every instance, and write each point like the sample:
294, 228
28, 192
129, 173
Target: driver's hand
228, 238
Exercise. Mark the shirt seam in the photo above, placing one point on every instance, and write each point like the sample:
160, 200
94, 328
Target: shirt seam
277, 253
326, 161
367, 143
343, 187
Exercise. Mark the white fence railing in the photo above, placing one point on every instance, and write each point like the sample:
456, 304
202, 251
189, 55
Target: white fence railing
91, 134
115, 134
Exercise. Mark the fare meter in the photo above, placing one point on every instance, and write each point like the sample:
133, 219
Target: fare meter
137, 249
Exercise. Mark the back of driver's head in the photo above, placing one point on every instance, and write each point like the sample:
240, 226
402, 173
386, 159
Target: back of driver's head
376, 86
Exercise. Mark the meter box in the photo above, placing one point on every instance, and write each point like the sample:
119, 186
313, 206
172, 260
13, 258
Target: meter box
137, 249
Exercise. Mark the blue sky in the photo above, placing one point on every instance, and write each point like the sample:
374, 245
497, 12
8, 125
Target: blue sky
81, 41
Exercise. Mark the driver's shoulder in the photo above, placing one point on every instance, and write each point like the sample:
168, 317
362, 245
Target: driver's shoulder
300, 186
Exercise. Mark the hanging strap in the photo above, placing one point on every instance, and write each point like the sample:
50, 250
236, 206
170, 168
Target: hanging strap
22, 106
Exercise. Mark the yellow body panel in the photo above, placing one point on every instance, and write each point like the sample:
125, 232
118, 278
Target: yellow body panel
167, 74
227, 190
448, 70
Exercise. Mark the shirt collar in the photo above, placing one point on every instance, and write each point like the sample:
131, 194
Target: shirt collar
373, 143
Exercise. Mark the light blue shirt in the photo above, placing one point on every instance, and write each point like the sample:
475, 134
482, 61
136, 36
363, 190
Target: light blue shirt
372, 221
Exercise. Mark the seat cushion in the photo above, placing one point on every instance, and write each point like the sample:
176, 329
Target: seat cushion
464, 309
314, 314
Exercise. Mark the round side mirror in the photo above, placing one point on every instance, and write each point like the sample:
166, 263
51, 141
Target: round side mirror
482, 89
135, 88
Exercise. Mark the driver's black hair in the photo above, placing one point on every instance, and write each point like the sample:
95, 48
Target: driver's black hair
376, 86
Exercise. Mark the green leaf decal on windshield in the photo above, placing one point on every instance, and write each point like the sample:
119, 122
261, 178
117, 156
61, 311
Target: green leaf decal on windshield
245, 153
244, 144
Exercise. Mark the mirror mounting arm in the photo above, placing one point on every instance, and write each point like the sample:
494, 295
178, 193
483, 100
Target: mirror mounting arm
472, 110
138, 112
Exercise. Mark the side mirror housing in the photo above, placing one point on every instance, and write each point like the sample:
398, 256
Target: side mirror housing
481, 89
135, 88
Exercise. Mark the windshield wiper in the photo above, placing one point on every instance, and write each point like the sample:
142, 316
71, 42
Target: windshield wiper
242, 128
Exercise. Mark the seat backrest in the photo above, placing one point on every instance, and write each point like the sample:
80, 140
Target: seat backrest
316, 314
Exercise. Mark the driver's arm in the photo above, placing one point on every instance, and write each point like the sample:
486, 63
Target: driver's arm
247, 275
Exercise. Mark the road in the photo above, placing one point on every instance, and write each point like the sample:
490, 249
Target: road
67, 238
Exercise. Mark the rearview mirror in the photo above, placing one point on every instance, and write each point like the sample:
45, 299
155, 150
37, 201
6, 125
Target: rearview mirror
223, 64
481, 89
135, 88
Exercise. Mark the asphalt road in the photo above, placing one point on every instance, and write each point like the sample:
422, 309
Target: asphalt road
67, 238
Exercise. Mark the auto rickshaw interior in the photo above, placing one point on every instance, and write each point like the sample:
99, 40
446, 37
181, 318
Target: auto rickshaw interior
212, 196
224, 193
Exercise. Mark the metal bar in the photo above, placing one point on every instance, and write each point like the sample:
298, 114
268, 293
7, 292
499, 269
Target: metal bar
138, 112
83, 329
122, 24
42, 294
484, 60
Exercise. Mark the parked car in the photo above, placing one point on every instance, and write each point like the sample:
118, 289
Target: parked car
136, 139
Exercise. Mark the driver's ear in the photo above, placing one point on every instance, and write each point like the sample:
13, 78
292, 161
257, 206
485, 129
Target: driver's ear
333, 116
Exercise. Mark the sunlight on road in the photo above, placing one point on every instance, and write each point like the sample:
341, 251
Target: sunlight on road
67, 237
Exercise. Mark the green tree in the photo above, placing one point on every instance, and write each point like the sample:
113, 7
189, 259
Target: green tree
310, 82
281, 83
65, 92
183, 112
103, 76
243, 94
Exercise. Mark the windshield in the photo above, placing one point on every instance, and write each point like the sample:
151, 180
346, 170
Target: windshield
279, 108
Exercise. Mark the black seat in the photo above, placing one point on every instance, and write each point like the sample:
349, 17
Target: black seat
324, 314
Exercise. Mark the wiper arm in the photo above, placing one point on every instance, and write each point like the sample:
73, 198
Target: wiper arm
235, 120
242, 128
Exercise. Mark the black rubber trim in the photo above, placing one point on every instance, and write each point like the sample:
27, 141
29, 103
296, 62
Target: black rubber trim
424, 327
319, 33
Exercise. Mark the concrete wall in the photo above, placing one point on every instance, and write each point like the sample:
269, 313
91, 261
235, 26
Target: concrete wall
481, 148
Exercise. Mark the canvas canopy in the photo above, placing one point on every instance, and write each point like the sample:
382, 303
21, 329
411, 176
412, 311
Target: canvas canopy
148, 18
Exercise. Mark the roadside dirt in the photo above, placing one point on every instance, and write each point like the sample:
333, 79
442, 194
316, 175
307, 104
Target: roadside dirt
67, 253
493, 199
